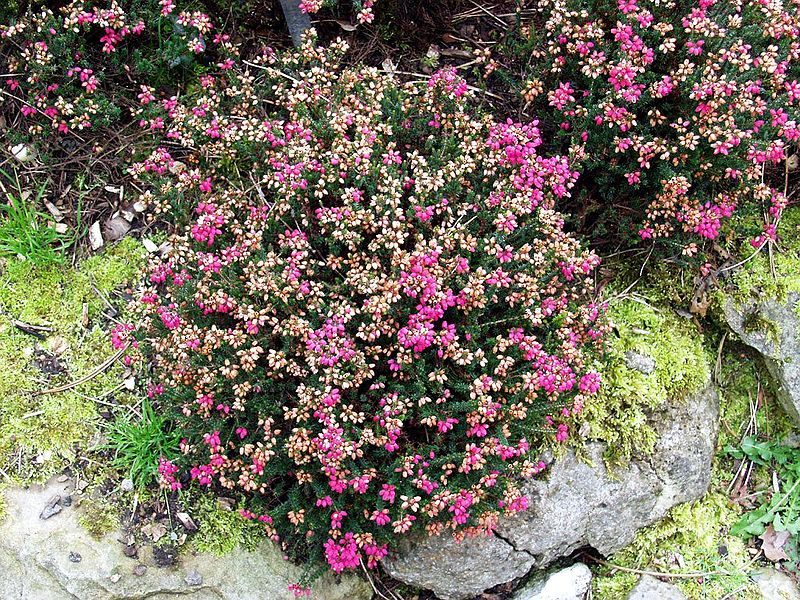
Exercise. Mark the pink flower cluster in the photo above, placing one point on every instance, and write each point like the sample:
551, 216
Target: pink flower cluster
362, 8
66, 64
690, 105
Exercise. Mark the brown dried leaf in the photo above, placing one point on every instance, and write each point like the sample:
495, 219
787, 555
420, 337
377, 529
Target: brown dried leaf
347, 26
116, 229
773, 543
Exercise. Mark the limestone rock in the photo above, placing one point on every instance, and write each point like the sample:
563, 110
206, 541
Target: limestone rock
37, 562
775, 585
772, 328
640, 362
571, 583
650, 588
577, 505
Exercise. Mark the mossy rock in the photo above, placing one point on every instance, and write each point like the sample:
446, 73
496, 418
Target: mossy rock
620, 414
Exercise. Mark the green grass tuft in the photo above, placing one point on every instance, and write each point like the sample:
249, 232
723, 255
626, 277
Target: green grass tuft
138, 443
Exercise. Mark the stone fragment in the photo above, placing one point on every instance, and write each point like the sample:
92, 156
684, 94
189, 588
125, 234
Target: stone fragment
650, 588
571, 583
775, 585
772, 328
52, 508
35, 564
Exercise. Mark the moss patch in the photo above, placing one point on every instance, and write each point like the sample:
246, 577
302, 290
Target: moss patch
618, 415
691, 538
38, 433
695, 537
98, 517
219, 531
756, 278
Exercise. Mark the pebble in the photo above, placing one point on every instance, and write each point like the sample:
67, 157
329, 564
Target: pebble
75, 557
53, 507
193, 578
139, 570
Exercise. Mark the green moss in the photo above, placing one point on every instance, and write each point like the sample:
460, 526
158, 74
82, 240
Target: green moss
619, 414
697, 533
39, 432
98, 517
761, 277
219, 531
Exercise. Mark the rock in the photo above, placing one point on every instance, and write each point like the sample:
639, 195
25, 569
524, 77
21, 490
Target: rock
23, 153
52, 508
187, 521
772, 328
127, 485
35, 564
95, 236
571, 583
75, 557
650, 588
775, 585
577, 505
640, 362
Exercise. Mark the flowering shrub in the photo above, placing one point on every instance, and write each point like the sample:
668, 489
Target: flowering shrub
373, 320
682, 105
97, 63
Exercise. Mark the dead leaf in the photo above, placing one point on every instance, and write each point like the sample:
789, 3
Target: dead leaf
57, 214
58, 345
226, 504
456, 53
187, 521
389, 66
773, 543
116, 229
700, 304
347, 26
149, 245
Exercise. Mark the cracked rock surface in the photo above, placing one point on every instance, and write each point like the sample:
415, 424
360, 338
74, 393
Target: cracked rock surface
578, 505
36, 564
772, 328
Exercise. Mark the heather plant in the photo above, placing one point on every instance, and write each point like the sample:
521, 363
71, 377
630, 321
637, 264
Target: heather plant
93, 64
679, 115
372, 322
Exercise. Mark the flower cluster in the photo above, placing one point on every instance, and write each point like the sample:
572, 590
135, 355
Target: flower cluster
98, 63
684, 105
362, 8
373, 320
